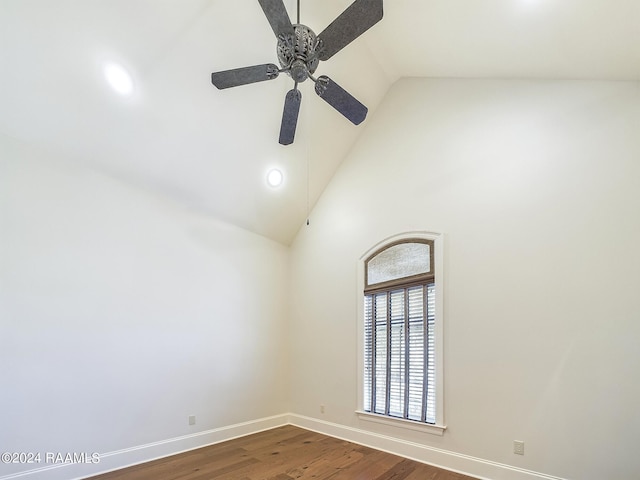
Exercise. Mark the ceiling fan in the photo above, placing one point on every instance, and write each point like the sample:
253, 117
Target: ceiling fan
299, 52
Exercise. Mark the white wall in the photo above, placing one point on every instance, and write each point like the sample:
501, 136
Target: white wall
121, 314
536, 187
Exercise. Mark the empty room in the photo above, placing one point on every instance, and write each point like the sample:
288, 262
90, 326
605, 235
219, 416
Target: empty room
305, 239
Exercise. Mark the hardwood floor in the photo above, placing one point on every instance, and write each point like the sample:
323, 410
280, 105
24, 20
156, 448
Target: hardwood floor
284, 453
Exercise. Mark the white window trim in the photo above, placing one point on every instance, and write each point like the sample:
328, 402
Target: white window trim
401, 422
439, 427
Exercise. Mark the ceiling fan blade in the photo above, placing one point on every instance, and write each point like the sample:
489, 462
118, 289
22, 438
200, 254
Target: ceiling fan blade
278, 17
290, 116
244, 76
359, 17
341, 100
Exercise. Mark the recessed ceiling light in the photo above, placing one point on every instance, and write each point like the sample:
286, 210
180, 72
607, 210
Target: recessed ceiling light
275, 178
119, 79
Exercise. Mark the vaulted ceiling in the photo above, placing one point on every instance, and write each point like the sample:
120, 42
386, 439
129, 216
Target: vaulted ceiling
176, 135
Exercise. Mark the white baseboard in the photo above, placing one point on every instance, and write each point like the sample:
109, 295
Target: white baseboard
465, 464
145, 453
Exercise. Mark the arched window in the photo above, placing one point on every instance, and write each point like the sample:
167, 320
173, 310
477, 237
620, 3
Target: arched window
400, 375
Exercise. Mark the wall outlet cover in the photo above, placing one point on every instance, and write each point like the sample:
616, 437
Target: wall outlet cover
518, 447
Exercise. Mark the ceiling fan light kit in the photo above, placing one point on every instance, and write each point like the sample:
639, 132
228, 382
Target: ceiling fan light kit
299, 52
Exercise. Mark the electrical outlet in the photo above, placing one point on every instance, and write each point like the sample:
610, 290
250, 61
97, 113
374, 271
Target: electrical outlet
518, 447
192, 419
321, 408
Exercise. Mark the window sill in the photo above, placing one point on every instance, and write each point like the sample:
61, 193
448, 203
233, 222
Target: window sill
401, 423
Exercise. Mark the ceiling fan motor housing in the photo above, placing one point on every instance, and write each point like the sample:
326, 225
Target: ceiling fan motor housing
297, 53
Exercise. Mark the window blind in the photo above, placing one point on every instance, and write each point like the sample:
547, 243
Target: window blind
399, 350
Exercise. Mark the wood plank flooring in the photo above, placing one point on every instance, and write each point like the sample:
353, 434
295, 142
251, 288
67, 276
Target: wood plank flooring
284, 453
